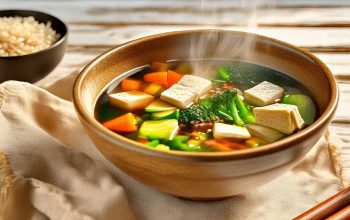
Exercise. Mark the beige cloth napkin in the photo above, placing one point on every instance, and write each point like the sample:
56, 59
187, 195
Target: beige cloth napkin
49, 169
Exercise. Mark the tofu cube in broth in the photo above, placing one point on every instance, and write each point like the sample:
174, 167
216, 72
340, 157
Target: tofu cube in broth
263, 94
130, 100
282, 117
200, 85
222, 131
178, 95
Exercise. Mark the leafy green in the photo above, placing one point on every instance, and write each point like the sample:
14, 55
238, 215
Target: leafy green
179, 143
245, 113
220, 106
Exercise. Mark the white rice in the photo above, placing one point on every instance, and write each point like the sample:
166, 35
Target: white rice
24, 35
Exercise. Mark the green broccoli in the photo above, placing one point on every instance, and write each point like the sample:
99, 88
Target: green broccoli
213, 108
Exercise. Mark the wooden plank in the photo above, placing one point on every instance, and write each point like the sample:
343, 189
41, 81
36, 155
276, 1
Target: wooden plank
92, 35
191, 12
338, 63
342, 114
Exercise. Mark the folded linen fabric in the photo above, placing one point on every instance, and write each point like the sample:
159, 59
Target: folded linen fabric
49, 169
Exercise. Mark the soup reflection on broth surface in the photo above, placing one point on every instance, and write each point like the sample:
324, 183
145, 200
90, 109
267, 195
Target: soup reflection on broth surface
234, 105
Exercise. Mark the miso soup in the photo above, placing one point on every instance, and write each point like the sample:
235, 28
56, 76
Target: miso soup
232, 106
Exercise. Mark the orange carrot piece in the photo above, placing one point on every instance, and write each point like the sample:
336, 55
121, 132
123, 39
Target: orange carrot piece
216, 145
157, 77
142, 140
131, 84
225, 145
154, 89
173, 77
123, 123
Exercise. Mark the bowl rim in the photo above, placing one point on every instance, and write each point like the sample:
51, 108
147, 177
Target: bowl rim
279, 145
56, 44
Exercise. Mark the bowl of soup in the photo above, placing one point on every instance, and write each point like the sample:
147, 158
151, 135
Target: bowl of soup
206, 127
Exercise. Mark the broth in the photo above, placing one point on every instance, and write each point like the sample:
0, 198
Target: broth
223, 111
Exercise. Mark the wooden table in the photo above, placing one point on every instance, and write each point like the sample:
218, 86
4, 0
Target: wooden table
322, 27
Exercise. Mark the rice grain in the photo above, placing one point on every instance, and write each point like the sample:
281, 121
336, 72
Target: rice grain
24, 35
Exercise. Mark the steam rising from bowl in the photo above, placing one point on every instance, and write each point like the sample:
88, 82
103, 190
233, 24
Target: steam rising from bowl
208, 47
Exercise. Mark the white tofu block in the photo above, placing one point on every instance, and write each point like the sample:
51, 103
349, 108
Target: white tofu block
130, 100
199, 84
268, 134
282, 117
221, 130
298, 120
181, 87
179, 96
263, 94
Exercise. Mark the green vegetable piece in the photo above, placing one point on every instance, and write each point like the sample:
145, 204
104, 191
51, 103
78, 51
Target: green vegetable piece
208, 109
107, 112
234, 113
224, 115
179, 144
243, 111
255, 142
162, 147
166, 115
159, 106
164, 129
218, 81
202, 136
194, 143
224, 74
153, 143
305, 106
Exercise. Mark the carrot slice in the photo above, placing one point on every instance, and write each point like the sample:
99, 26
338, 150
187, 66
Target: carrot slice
131, 84
154, 89
216, 145
123, 123
157, 77
224, 145
173, 77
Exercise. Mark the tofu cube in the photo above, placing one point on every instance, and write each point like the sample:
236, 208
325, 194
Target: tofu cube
130, 100
221, 130
282, 117
268, 134
263, 94
179, 96
198, 84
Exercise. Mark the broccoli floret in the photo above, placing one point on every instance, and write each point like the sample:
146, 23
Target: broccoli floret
213, 108
194, 114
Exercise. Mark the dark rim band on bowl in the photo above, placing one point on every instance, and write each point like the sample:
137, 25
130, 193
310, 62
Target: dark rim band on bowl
208, 156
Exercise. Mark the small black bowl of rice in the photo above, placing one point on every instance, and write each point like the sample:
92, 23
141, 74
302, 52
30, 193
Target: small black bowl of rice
32, 44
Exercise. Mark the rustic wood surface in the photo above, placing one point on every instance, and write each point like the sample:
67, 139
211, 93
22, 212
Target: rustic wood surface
322, 27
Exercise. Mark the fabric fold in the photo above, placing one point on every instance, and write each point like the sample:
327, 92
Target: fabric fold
59, 174
60, 182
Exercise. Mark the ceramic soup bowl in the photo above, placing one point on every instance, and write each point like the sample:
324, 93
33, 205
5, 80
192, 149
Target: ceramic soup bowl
205, 175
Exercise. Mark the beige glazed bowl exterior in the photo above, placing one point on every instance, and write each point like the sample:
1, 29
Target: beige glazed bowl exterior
206, 175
